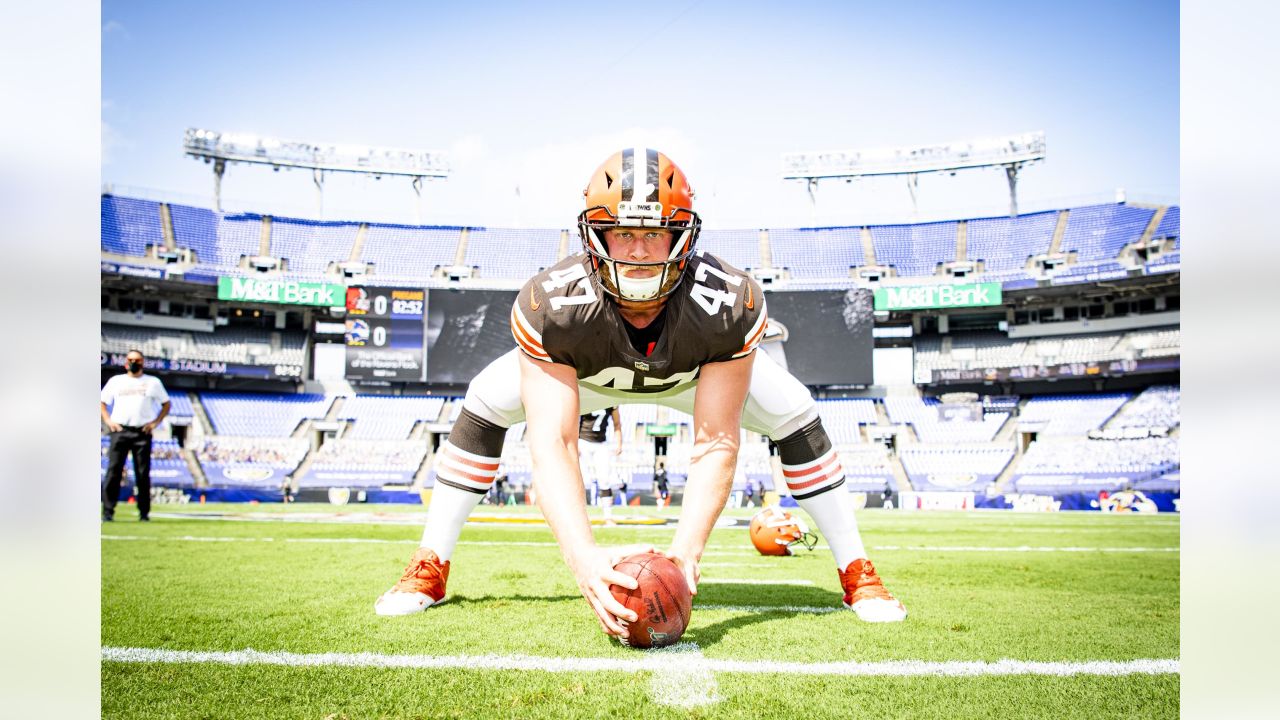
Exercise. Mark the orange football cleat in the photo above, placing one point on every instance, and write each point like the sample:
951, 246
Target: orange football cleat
865, 594
421, 586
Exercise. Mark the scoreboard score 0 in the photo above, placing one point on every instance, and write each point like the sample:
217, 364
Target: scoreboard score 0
385, 333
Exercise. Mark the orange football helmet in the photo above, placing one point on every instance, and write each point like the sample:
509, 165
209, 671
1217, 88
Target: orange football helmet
640, 188
774, 531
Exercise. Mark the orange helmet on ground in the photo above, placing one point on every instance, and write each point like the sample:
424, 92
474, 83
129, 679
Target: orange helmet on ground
641, 188
774, 531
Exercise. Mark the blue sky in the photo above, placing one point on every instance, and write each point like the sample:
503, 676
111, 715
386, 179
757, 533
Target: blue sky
534, 98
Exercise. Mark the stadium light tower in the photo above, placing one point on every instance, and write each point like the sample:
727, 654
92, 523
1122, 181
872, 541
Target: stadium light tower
1011, 152
218, 149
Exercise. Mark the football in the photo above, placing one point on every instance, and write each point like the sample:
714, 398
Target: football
662, 600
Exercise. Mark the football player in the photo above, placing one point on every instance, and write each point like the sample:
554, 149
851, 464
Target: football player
597, 459
641, 316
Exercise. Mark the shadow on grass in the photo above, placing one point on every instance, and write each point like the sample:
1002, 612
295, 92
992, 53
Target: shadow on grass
771, 601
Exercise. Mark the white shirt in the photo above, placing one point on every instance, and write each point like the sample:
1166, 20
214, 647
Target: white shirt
134, 401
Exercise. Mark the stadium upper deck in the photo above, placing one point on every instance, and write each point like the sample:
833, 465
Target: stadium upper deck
1082, 244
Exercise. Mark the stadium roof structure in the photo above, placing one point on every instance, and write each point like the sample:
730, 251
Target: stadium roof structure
220, 148
1011, 152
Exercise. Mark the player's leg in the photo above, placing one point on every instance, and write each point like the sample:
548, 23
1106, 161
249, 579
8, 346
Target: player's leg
465, 468
117, 451
142, 474
780, 407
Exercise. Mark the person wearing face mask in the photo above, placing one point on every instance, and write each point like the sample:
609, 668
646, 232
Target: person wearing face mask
132, 406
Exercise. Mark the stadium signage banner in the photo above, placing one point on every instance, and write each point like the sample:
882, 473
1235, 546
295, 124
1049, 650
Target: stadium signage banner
922, 297
210, 367
1114, 368
153, 273
284, 292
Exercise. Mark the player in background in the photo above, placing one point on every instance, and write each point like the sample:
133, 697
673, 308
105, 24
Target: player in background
640, 317
599, 463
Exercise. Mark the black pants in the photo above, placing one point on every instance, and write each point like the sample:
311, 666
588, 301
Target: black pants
128, 440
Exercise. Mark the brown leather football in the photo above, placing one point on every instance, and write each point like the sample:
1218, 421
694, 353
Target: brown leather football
662, 600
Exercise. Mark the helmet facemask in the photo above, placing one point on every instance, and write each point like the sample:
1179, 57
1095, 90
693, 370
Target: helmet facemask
684, 226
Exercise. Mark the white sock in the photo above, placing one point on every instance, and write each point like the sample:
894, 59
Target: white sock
832, 512
446, 514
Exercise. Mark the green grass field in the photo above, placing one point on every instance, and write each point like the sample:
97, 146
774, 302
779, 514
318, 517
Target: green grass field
296, 584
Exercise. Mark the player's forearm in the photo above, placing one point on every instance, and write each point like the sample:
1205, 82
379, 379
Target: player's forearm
557, 481
705, 493
106, 416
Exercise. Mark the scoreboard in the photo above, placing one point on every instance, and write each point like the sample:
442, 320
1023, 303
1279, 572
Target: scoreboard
385, 334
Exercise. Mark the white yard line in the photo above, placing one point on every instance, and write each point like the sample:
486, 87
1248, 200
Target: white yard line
653, 661
711, 552
1019, 548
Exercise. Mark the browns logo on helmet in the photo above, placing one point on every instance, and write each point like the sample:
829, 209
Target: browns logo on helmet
639, 188
774, 531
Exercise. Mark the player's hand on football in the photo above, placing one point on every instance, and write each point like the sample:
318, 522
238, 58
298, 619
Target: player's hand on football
593, 570
688, 563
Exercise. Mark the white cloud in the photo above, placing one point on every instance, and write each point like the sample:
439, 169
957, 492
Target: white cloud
112, 27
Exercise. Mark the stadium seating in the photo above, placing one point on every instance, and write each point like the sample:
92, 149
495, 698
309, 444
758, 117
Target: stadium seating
180, 405
1099, 232
130, 225
842, 418
196, 229
819, 253
1080, 464
261, 415
514, 254
310, 246
260, 462
364, 463
1157, 406
1005, 244
739, 248
1170, 227
230, 345
954, 467
1070, 414
384, 417
409, 252
923, 415
166, 455
412, 253
915, 250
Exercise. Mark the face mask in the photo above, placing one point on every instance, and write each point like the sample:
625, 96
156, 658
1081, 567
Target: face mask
134, 367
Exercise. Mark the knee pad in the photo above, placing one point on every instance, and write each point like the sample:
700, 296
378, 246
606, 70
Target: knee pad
469, 458
810, 466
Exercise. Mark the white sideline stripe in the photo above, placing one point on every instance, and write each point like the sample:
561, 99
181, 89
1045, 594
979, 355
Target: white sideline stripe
1021, 548
735, 581
653, 662
532, 543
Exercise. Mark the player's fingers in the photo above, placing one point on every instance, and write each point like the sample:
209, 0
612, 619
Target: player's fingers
692, 576
617, 609
608, 622
613, 577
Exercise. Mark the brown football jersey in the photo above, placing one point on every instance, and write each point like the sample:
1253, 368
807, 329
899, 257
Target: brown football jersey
561, 315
